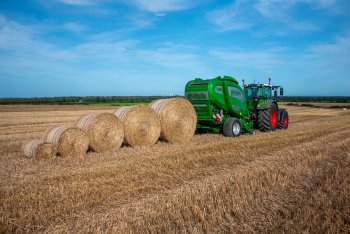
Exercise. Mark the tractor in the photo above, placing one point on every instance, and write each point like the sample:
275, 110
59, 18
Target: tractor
222, 105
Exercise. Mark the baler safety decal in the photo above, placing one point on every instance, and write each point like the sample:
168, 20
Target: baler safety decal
217, 117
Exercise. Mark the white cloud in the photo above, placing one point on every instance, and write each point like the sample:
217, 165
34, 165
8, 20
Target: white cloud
75, 27
244, 14
323, 3
263, 60
340, 46
107, 52
230, 17
160, 14
13, 35
274, 9
332, 57
78, 2
155, 6
25, 53
23, 40
170, 57
140, 20
162, 6
282, 10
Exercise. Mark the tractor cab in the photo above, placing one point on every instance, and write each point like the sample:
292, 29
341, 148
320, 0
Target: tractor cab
257, 91
261, 91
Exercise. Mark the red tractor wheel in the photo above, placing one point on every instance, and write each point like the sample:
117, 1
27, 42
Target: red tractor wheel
284, 120
273, 118
267, 119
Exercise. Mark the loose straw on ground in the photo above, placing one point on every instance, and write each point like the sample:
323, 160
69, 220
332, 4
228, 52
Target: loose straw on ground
105, 131
177, 118
141, 125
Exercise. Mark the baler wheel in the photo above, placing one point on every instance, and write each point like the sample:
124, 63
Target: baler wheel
232, 127
267, 119
284, 120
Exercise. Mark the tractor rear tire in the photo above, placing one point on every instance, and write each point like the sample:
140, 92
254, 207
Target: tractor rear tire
267, 119
284, 120
232, 127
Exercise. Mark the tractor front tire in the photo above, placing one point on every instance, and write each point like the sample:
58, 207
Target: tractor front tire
232, 127
284, 120
267, 119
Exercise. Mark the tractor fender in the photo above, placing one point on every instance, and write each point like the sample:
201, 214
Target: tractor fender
266, 105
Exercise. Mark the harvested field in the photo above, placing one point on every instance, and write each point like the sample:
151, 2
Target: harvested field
295, 180
321, 104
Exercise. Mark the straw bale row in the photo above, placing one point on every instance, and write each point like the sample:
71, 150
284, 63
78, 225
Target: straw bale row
172, 120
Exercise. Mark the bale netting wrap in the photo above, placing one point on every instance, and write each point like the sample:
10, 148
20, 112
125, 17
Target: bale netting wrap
177, 118
70, 141
38, 149
141, 125
105, 131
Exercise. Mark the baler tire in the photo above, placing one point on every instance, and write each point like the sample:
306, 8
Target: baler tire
232, 127
265, 119
283, 121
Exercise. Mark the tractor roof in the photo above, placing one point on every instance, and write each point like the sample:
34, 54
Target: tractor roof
257, 85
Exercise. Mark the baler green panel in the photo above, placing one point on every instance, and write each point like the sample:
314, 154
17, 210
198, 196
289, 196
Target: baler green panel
216, 96
235, 98
216, 93
197, 93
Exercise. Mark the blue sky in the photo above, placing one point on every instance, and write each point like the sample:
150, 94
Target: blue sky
140, 47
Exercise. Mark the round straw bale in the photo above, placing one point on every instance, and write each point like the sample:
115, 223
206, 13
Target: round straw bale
70, 141
39, 150
141, 125
178, 119
105, 131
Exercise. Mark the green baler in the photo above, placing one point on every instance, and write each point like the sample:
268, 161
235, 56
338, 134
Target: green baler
223, 106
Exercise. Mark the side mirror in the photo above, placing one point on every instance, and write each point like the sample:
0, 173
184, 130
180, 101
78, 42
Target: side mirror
275, 93
281, 91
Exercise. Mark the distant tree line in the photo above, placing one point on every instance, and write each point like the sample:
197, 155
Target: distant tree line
79, 100
335, 99
137, 99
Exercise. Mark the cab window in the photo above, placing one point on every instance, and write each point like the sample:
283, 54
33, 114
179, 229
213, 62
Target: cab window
250, 93
268, 93
259, 94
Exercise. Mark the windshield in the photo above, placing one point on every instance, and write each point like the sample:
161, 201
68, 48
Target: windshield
249, 93
257, 92
267, 92
253, 92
